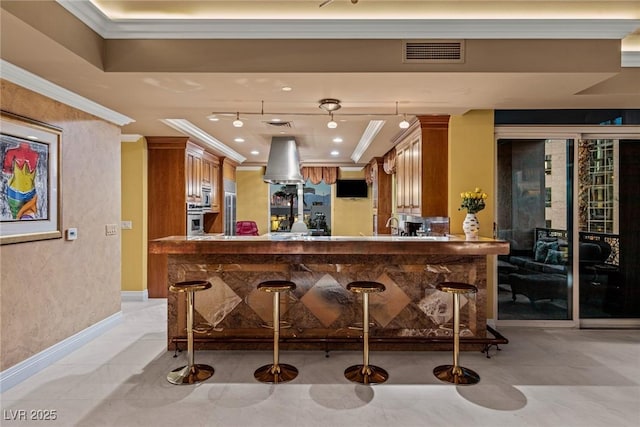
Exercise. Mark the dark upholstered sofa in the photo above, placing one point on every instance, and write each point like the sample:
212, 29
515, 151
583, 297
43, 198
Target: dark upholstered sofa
541, 273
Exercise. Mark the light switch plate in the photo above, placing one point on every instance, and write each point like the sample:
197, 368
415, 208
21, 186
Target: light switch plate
71, 234
126, 225
111, 229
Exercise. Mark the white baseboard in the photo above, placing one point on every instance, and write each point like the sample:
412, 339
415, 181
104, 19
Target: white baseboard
36, 363
135, 295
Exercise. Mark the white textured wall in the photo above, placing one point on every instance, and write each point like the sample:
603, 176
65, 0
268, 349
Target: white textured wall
50, 290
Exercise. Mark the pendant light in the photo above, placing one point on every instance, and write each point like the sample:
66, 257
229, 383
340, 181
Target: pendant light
237, 122
332, 124
404, 124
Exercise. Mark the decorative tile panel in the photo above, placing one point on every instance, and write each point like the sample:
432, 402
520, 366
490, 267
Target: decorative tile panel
320, 306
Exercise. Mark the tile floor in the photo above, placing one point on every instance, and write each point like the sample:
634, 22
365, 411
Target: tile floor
543, 377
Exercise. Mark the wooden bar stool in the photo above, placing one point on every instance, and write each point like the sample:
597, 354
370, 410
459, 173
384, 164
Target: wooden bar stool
365, 373
455, 373
276, 372
191, 373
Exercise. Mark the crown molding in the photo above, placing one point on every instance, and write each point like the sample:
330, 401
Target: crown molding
28, 80
371, 29
631, 59
251, 168
367, 138
130, 137
188, 128
348, 28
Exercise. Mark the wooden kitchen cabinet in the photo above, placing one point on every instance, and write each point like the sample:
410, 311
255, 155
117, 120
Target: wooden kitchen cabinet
176, 174
422, 167
381, 193
211, 178
216, 187
208, 162
194, 173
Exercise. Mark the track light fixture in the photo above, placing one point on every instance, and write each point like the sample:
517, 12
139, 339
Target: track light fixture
237, 122
330, 105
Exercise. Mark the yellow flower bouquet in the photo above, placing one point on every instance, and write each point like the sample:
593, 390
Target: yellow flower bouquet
473, 201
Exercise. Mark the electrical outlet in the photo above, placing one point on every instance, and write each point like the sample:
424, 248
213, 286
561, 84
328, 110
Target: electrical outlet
126, 225
111, 229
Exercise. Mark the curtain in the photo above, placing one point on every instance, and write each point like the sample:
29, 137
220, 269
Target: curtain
389, 165
370, 172
317, 174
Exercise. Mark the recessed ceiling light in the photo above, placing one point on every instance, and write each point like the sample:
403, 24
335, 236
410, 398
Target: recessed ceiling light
32, 137
335, 153
276, 120
239, 140
287, 88
337, 139
213, 118
255, 152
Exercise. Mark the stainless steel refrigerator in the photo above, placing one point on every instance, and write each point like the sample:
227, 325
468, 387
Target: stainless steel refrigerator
229, 208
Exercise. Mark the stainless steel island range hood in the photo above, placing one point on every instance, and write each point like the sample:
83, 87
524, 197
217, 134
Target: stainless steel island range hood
283, 166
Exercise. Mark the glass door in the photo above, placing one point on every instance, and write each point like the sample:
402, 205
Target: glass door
534, 210
609, 233
573, 230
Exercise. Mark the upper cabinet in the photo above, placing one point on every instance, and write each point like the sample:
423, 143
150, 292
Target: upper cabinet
194, 178
211, 179
422, 167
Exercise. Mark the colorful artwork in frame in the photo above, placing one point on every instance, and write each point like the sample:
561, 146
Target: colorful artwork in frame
29, 181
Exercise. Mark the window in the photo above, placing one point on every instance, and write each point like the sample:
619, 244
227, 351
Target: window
316, 207
547, 164
547, 197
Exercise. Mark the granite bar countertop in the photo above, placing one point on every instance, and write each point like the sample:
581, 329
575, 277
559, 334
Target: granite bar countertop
291, 243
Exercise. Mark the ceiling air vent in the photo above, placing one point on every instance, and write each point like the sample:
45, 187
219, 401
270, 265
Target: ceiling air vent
433, 51
279, 124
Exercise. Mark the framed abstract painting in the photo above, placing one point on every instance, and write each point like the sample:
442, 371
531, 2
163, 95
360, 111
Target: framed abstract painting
30, 203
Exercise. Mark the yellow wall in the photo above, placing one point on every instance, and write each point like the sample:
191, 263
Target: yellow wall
252, 203
472, 164
134, 209
351, 217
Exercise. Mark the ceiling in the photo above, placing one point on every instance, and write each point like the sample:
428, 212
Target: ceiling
189, 60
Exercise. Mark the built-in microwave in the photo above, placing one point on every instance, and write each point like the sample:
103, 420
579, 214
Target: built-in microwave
195, 219
206, 198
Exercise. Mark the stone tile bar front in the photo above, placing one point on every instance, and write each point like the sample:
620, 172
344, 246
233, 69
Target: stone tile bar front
321, 313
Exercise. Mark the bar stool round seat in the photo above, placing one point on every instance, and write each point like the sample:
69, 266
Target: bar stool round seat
455, 373
365, 373
276, 372
191, 373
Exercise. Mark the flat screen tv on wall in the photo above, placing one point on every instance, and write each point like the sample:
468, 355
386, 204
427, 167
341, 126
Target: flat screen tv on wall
351, 188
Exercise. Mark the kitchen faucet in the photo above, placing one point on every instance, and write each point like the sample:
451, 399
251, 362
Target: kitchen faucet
394, 230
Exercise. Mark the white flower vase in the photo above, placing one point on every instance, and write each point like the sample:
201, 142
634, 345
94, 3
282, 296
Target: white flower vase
471, 226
